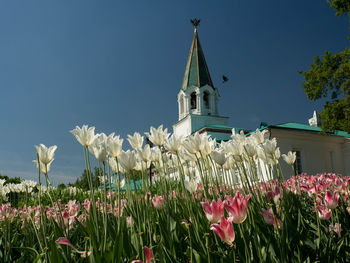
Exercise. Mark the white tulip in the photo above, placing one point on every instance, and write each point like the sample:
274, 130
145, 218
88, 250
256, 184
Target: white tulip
44, 168
136, 140
113, 164
234, 148
187, 157
277, 154
250, 150
122, 183
239, 138
138, 166
158, 136
29, 183
46, 154
266, 157
174, 143
127, 160
251, 140
2, 181
269, 146
289, 158
99, 147
114, 145
229, 164
219, 157
196, 142
145, 153
191, 185
84, 135
208, 146
259, 136
156, 155
101, 179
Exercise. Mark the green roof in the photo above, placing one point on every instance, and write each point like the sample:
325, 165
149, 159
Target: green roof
299, 126
138, 184
197, 73
221, 127
303, 127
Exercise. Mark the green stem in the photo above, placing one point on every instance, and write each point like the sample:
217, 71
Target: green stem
207, 246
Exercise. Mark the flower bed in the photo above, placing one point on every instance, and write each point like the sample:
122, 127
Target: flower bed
206, 203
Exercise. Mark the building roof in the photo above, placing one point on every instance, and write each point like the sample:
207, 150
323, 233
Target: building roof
303, 127
197, 73
221, 127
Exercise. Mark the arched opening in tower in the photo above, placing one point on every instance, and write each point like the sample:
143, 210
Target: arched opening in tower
206, 99
193, 101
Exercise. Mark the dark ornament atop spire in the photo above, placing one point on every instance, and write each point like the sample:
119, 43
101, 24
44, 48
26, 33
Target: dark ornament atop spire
195, 22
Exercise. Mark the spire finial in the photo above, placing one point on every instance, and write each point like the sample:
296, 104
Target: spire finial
195, 22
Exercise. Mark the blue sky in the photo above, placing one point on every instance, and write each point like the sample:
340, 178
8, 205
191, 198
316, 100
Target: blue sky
118, 65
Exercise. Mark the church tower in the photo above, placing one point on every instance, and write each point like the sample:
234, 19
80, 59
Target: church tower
198, 98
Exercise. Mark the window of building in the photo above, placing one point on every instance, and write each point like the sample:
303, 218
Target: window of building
297, 164
206, 99
193, 100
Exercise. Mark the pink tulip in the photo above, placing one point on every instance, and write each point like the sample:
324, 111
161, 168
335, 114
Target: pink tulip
275, 195
87, 205
7, 212
65, 241
185, 223
214, 212
73, 208
336, 228
129, 221
85, 254
269, 218
331, 201
323, 212
157, 202
224, 230
237, 208
148, 255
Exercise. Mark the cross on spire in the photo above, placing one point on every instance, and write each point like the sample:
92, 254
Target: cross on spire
195, 22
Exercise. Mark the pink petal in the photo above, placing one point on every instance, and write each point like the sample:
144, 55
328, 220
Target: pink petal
148, 254
65, 241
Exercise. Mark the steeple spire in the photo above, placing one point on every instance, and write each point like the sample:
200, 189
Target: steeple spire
198, 99
197, 73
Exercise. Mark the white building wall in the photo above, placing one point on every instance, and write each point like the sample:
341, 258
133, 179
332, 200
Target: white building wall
193, 122
319, 153
183, 127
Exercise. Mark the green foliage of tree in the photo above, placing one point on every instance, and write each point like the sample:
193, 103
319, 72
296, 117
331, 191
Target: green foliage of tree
61, 186
329, 77
341, 6
4, 177
13, 180
83, 183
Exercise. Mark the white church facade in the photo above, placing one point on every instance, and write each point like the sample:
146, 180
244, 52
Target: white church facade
198, 112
